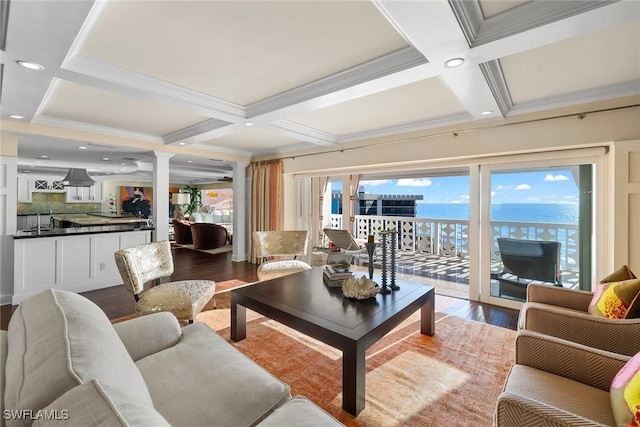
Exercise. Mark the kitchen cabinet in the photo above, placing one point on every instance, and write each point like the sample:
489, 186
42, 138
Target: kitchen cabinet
93, 194
29, 184
24, 189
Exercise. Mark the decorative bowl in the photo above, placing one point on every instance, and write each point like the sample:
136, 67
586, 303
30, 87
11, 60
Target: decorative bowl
341, 266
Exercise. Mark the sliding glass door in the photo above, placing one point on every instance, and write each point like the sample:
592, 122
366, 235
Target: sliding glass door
539, 229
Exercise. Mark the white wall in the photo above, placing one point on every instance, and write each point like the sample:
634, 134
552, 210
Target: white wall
626, 204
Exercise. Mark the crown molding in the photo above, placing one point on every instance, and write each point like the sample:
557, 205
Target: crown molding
602, 93
533, 14
451, 119
104, 71
497, 84
191, 131
385, 65
69, 124
302, 132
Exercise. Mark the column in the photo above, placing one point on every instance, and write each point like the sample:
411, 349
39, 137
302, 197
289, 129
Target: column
8, 213
240, 203
160, 210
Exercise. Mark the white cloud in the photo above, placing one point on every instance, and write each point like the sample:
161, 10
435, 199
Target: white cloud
523, 187
413, 182
533, 199
377, 182
493, 193
551, 178
464, 196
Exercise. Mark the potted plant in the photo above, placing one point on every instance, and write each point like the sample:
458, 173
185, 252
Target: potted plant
195, 200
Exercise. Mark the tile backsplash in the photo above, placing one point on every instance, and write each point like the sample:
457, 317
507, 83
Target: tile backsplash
43, 203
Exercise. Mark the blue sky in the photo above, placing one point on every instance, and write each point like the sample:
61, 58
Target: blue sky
553, 186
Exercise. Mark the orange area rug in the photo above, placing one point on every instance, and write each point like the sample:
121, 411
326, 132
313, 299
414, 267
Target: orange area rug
451, 379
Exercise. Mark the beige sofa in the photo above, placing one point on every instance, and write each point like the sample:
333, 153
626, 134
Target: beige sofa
66, 364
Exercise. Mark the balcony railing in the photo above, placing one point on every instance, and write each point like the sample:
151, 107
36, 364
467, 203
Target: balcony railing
450, 237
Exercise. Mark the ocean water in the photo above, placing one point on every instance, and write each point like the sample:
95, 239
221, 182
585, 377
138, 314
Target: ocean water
560, 213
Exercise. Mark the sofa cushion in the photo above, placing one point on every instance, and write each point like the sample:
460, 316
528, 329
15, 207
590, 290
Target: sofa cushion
299, 412
216, 382
625, 394
559, 392
59, 340
89, 405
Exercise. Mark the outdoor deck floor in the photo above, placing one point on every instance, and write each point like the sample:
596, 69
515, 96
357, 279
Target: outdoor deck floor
450, 274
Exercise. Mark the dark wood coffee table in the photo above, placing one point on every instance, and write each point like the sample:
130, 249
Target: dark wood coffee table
303, 302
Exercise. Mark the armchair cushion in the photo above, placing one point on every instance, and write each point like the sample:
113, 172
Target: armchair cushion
616, 296
615, 300
625, 394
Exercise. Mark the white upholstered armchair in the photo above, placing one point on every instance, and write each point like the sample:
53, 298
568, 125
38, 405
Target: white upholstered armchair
150, 261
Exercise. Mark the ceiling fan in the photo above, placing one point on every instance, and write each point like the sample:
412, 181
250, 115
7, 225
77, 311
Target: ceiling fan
225, 179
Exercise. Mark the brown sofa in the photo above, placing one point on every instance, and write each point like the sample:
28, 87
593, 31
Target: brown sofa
208, 235
182, 232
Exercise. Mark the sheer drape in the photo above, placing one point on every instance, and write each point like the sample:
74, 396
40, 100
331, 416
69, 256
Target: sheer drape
266, 199
323, 182
354, 182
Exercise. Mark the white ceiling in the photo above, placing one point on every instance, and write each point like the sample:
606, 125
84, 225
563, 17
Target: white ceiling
304, 73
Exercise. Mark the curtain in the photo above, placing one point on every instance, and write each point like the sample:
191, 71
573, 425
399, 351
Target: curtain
266, 199
323, 182
354, 182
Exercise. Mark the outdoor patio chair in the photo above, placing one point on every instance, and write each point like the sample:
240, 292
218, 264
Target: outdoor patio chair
348, 246
151, 261
269, 244
525, 261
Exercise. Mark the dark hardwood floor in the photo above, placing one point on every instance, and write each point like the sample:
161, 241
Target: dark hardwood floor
117, 302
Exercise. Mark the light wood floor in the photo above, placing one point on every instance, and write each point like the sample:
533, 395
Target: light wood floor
117, 302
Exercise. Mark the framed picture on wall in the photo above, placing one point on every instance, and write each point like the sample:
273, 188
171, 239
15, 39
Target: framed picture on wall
137, 200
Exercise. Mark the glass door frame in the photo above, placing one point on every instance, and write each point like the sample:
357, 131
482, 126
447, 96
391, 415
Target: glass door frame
556, 159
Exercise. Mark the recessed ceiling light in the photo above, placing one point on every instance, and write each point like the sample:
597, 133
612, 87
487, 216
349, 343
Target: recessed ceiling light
248, 123
123, 164
182, 143
105, 159
16, 116
454, 62
30, 65
27, 171
82, 147
189, 161
43, 157
487, 112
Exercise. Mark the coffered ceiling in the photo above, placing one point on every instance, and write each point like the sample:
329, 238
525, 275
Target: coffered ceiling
247, 78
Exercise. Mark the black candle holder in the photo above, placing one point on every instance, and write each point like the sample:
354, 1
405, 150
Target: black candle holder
389, 246
371, 247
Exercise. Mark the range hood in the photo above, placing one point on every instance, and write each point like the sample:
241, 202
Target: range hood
78, 178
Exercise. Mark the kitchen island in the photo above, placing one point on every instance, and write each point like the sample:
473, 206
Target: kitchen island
77, 259
94, 219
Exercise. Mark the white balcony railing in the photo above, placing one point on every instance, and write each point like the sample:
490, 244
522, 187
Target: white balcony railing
450, 237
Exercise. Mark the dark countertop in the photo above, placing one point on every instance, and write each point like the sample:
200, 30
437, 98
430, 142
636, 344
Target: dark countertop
75, 231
